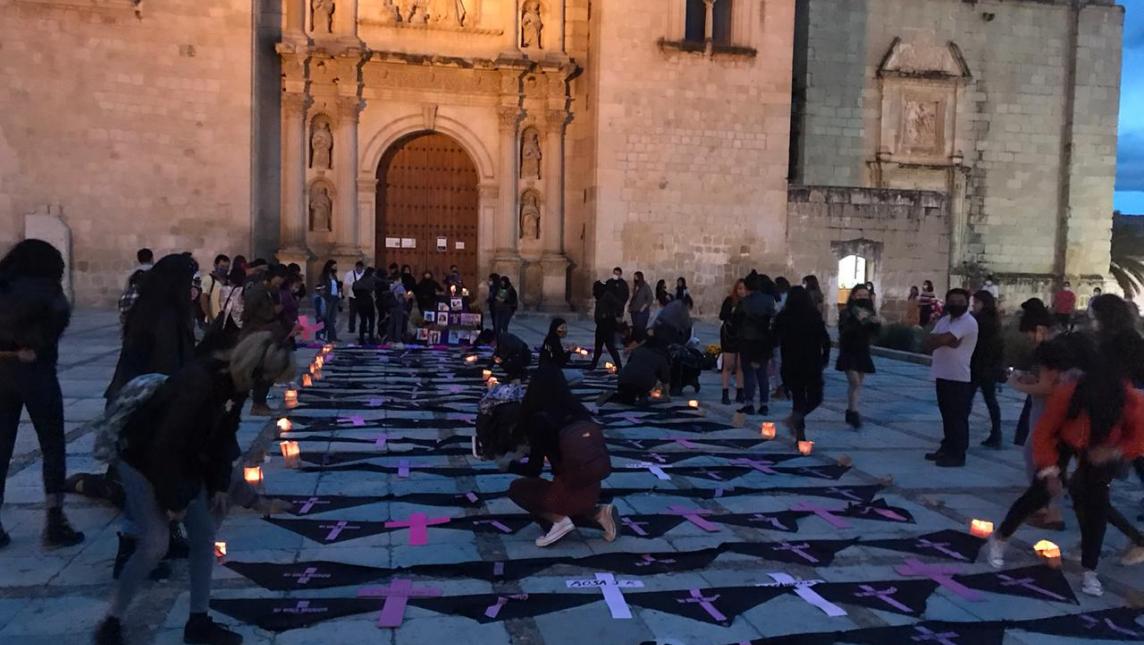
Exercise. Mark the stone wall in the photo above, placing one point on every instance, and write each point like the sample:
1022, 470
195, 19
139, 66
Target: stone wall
902, 234
691, 146
1028, 157
136, 128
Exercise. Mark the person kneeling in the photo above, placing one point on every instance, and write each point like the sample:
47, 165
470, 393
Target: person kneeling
648, 366
175, 463
562, 431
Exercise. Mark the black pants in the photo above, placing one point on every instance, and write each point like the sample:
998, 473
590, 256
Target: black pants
954, 399
629, 394
806, 396
1023, 428
260, 392
353, 308
988, 389
364, 312
606, 337
34, 386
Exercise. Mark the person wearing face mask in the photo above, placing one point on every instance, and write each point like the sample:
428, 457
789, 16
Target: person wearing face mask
553, 352
640, 305
952, 342
857, 325
620, 287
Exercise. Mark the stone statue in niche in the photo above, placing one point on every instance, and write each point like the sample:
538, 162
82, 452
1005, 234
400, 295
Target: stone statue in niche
530, 154
321, 209
322, 15
417, 12
530, 215
921, 130
447, 12
530, 25
321, 145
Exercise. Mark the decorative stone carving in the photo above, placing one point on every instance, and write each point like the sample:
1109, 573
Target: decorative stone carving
920, 130
429, 116
530, 215
447, 12
390, 12
508, 117
530, 154
417, 12
322, 16
321, 144
531, 25
920, 89
321, 208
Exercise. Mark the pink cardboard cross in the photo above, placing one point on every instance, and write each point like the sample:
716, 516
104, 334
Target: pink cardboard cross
403, 469
381, 441
824, 514
493, 610
695, 516
761, 466
696, 596
418, 525
309, 329
885, 595
309, 505
397, 596
941, 574
337, 528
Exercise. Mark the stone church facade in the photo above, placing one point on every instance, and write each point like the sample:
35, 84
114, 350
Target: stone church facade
549, 140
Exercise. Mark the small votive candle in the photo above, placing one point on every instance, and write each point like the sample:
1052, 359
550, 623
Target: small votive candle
465, 292
252, 475
980, 528
307, 381
609, 365
612, 370
220, 550
285, 425
291, 398
290, 453
472, 359
583, 352
1047, 550
805, 447
493, 382
767, 430
657, 393
487, 374
693, 404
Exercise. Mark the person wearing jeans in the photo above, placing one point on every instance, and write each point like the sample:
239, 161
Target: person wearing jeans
752, 318
952, 342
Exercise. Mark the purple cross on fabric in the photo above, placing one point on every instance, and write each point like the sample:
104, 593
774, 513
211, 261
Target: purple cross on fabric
824, 514
1091, 623
418, 525
496, 524
336, 529
885, 595
695, 516
1029, 584
845, 493
696, 596
940, 574
494, 609
927, 634
382, 441
403, 469
940, 547
685, 443
397, 596
773, 521
797, 549
760, 466
636, 527
310, 573
866, 509
648, 560
309, 504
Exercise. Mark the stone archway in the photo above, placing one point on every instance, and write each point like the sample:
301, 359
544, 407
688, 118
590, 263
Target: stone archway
428, 206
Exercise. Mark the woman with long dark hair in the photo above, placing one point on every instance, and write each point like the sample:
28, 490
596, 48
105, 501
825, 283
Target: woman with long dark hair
857, 325
926, 302
813, 289
562, 433
805, 346
505, 305
553, 352
729, 342
681, 291
33, 315
662, 295
986, 366
329, 289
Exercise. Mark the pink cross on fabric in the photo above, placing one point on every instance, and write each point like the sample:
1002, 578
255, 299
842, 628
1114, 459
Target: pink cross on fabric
824, 514
403, 469
761, 466
943, 575
397, 596
382, 440
695, 516
418, 525
696, 596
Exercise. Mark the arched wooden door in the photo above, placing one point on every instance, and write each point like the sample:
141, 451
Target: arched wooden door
427, 199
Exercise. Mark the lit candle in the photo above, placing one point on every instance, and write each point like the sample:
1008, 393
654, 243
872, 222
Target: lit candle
318, 375
220, 550
319, 362
980, 528
290, 453
657, 393
291, 398
465, 292
252, 475
1048, 551
693, 404
612, 370
487, 374
452, 290
768, 430
285, 425
805, 447
472, 359
609, 365
307, 381
493, 382
583, 352
327, 348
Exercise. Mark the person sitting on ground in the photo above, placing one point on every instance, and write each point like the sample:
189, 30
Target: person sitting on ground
648, 366
553, 352
175, 462
509, 351
562, 433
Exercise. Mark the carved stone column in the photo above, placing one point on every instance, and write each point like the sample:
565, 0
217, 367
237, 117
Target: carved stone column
554, 263
346, 225
345, 19
507, 258
297, 12
294, 216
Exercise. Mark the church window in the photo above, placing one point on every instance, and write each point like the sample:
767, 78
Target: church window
696, 26
721, 23
696, 31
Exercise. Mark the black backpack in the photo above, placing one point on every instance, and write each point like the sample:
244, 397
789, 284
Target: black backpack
499, 432
584, 458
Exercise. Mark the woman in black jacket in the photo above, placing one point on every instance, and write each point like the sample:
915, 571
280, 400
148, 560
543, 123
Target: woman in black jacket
505, 305
857, 325
33, 315
662, 295
988, 359
555, 420
176, 457
729, 342
553, 352
609, 310
805, 345
427, 292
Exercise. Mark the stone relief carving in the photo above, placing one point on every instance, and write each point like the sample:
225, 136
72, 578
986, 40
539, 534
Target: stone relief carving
530, 154
531, 25
321, 209
530, 215
321, 144
431, 12
322, 15
921, 129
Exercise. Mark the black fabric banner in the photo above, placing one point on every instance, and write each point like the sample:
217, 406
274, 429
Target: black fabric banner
786, 521
314, 504
948, 544
712, 473
282, 614
1039, 582
811, 553
716, 606
330, 531
906, 597
491, 608
879, 510
927, 633
1111, 624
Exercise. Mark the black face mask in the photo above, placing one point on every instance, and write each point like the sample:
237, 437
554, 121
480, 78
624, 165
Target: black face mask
865, 303
957, 311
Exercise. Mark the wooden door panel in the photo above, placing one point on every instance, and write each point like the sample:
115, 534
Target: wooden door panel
427, 189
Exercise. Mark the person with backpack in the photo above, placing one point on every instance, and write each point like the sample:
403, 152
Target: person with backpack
34, 312
561, 432
753, 320
211, 299
176, 457
609, 310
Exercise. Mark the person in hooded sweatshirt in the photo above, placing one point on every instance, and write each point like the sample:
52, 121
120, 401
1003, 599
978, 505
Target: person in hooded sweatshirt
648, 365
176, 457
553, 351
34, 312
509, 351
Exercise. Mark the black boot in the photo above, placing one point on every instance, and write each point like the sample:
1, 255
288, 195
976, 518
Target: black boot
126, 548
853, 419
726, 397
740, 397
177, 546
201, 630
747, 409
109, 632
993, 441
4, 539
764, 409
58, 532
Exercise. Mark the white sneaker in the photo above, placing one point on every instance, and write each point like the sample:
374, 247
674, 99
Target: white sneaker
558, 530
607, 517
995, 552
1091, 584
1133, 556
